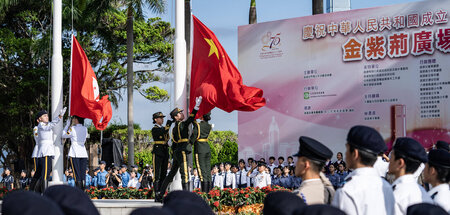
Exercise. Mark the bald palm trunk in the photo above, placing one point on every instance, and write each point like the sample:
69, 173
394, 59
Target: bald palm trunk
317, 6
252, 12
130, 75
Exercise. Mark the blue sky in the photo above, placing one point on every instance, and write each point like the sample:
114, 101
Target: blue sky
223, 18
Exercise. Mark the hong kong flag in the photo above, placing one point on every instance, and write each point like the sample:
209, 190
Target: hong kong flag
84, 93
216, 78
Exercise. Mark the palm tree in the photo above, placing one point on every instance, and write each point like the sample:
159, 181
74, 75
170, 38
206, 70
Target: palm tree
252, 12
135, 9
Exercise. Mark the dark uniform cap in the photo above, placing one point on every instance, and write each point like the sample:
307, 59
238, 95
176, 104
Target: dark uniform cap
313, 149
442, 145
193, 202
71, 200
410, 148
40, 113
439, 157
174, 112
158, 115
123, 166
366, 139
150, 211
102, 162
133, 166
29, 203
282, 203
425, 209
320, 210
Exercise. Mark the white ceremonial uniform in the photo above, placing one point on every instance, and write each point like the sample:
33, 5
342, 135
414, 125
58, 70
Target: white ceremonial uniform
441, 196
36, 140
261, 179
408, 192
229, 179
217, 180
77, 135
45, 133
364, 193
241, 178
381, 166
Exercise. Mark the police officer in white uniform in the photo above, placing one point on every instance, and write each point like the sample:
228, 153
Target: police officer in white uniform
406, 157
77, 133
46, 148
437, 173
260, 178
364, 192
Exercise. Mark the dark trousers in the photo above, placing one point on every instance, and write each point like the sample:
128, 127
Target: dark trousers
242, 185
43, 168
179, 162
160, 161
79, 168
203, 162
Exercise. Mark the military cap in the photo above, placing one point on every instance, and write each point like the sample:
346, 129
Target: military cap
425, 209
96, 169
29, 203
174, 199
282, 203
442, 145
262, 163
123, 166
174, 112
313, 149
158, 115
366, 139
439, 157
150, 211
40, 113
71, 200
102, 162
410, 148
320, 210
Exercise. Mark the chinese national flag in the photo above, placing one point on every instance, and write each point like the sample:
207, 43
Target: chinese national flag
216, 78
85, 96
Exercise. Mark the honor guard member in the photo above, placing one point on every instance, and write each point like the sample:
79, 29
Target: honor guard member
229, 178
406, 157
202, 151
312, 156
364, 191
181, 148
241, 175
160, 151
77, 133
46, 148
217, 179
260, 178
437, 173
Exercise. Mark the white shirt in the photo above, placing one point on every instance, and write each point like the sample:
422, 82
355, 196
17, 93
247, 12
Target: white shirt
45, 136
36, 140
229, 179
77, 135
441, 196
134, 182
195, 182
408, 192
364, 193
381, 166
261, 179
217, 180
271, 167
241, 177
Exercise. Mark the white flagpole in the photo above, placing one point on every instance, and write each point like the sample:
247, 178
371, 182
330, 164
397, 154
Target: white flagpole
57, 91
70, 81
180, 57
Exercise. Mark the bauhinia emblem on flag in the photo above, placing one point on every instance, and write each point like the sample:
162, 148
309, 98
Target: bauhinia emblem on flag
84, 91
216, 78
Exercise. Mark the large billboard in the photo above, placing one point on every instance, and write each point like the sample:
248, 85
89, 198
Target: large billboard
385, 67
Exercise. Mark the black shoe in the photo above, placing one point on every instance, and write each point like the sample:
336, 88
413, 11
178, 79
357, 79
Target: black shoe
159, 197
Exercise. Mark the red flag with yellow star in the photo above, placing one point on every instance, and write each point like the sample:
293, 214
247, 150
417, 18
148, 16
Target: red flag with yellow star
216, 78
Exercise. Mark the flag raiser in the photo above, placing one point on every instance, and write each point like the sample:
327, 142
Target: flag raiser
216, 78
84, 91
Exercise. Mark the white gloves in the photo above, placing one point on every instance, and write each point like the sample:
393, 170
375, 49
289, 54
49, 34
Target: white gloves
198, 101
62, 111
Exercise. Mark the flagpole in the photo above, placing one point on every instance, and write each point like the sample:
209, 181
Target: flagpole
180, 57
70, 81
57, 92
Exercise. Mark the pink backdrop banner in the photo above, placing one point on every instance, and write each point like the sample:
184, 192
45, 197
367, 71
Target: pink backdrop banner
323, 74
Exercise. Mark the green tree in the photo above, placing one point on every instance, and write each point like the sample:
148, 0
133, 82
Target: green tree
229, 152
